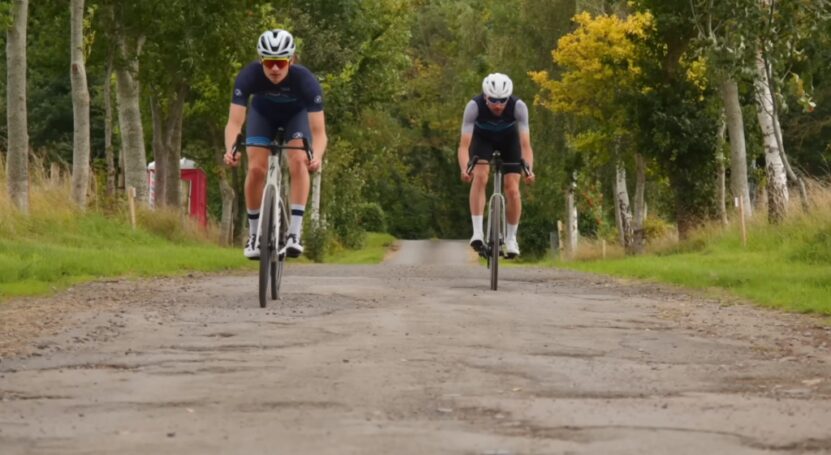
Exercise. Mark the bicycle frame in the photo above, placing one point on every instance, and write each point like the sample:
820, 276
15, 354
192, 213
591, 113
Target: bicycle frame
274, 177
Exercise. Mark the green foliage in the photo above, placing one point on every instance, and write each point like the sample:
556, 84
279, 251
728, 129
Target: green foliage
371, 217
316, 240
343, 186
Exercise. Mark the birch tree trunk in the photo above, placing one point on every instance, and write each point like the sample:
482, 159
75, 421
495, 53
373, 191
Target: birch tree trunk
572, 233
639, 231
721, 177
167, 146
17, 159
80, 107
108, 127
738, 149
173, 146
159, 160
129, 116
316, 177
625, 211
229, 208
777, 182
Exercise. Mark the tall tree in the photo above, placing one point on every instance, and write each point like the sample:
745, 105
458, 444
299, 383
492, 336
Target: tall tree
80, 103
129, 40
17, 160
723, 29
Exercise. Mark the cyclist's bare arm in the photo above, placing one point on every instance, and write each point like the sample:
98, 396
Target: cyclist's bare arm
317, 123
464, 155
468, 121
521, 114
236, 117
527, 155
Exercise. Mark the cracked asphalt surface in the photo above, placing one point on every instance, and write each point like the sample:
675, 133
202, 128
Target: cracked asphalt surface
414, 356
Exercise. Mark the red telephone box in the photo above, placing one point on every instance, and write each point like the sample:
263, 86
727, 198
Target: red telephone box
193, 189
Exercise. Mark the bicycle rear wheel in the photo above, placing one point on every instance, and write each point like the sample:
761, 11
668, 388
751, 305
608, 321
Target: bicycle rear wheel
277, 270
267, 245
495, 226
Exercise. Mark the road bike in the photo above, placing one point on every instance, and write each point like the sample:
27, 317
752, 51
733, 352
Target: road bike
491, 250
272, 230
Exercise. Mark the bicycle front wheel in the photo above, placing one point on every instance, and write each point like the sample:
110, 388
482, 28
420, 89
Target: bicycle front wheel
267, 244
495, 225
277, 270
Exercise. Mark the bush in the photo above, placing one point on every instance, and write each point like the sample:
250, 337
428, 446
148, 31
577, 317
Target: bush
315, 242
371, 217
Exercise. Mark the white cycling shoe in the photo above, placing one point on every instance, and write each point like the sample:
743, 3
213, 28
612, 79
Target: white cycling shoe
293, 248
251, 250
476, 242
511, 248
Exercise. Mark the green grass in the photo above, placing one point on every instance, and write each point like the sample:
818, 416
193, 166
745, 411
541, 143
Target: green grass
40, 255
376, 247
58, 246
786, 267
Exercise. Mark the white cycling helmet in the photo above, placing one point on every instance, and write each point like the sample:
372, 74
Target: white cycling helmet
276, 43
497, 85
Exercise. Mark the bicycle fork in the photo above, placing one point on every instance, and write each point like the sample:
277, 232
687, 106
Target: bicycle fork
496, 217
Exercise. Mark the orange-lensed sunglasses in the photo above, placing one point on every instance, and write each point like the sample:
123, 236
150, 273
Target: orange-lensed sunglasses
279, 63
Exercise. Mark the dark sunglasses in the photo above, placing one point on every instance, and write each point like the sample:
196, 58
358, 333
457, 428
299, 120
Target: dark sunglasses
498, 100
279, 63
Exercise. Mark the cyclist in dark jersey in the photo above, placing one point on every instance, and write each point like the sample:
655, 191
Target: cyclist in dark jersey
282, 94
495, 120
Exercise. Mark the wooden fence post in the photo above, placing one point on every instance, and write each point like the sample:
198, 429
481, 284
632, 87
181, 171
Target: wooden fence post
131, 197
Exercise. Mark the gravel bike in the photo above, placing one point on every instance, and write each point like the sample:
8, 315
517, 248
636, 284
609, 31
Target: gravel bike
274, 219
491, 250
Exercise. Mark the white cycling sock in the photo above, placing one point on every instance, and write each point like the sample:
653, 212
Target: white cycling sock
511, 234
253, 221
477, 225
296, 225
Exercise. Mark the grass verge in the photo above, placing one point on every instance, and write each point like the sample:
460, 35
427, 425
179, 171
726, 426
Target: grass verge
787, 266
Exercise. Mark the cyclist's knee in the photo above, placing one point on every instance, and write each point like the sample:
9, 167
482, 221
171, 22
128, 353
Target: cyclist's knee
512, 188
297, 162
255, 171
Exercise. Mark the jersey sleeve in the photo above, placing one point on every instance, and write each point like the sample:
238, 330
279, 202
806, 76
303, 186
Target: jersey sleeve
469, 117
521, 115
243, 86
312, 94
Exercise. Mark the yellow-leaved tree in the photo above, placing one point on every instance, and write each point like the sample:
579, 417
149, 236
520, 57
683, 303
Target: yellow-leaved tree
600, 72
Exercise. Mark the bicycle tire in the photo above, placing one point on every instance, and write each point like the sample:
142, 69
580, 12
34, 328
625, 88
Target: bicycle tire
495, 225
267, 245
277, 272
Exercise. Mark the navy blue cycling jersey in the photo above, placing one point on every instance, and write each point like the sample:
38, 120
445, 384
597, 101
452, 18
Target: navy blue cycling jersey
487, 122
299, 91
481, 121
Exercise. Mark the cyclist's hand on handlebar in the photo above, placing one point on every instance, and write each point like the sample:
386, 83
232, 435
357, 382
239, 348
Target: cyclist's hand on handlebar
530, 177
467, 178
232, 158
314, 165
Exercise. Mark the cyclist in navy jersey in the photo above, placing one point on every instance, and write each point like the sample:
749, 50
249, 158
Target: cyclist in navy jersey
282, 94
495, 120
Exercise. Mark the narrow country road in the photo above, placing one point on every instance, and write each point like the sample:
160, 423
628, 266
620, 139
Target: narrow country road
413, 356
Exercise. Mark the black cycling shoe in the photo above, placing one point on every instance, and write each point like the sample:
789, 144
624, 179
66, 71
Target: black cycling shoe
477, 244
